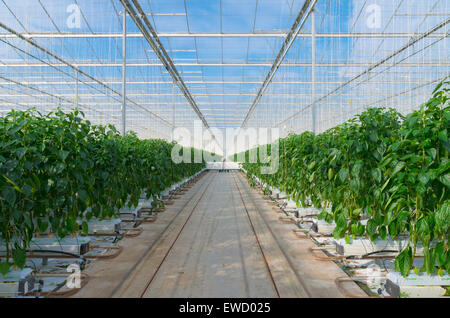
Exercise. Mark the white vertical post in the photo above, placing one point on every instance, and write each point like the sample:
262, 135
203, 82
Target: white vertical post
76, 88
124, 71
313, 70
173, 109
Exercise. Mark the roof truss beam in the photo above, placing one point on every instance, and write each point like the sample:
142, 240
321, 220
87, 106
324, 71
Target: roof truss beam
49, 35
303, 15
140, 19
286, 64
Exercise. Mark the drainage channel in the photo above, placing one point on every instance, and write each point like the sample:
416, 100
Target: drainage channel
160, 235
300, 288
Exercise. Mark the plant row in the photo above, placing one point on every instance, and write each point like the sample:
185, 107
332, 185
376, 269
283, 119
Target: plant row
382, 167
58, 168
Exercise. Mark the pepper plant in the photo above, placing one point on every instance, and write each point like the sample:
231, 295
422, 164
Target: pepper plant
389, 170
58, 169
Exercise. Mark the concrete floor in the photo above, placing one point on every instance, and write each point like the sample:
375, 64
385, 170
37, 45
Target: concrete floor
216, 254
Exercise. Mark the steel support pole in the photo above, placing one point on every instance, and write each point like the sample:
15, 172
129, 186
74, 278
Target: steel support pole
76, 88
124, 72
173, 110
313, 70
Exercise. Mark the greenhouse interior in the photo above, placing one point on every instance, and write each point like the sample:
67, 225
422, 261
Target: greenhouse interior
224, 149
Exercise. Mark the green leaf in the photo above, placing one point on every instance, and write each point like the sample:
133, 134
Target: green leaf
354, 228
403, 261
444, 166
341, 221
442, 216
446, 145
330, 174
424, 178
423, 227
432, 153
42, 225
393, 229
379, 218
371, 227
399, 166
447, 115
402, 215
70, 225
347, 239
357, 168
19, 256
85, 228
445, 179
442, 135
376, 174
438, 87
9, 195
20, 152
4, 268
447, 263
27, 189
63, 154
385, 184
355, 185
440, 253
360, 230
37, 182
11, 165
322, 214
328, 218
343, 173
83, 195
429, 261
383, 232
357, 212
13, 184
341, 225
411, 120
421, 189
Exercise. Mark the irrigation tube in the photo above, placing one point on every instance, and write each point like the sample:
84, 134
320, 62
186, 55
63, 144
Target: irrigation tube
65, 293
339, 280
107, 256
342, 257
83, 260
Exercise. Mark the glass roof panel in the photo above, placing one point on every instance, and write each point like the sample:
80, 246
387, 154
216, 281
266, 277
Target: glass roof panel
364, 54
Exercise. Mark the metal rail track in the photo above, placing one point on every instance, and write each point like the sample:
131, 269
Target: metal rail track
191, 212
257, 239
139, 261
289, 261
147, 286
